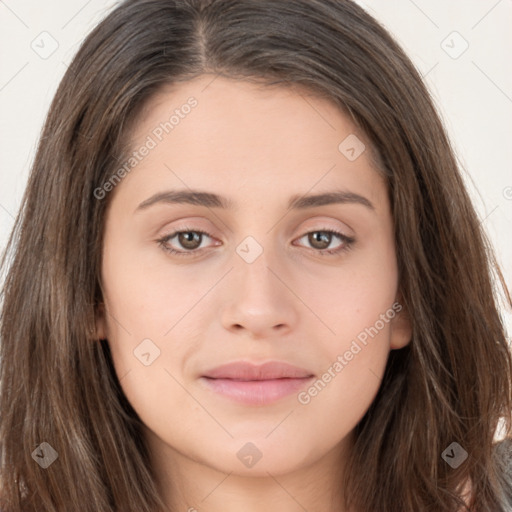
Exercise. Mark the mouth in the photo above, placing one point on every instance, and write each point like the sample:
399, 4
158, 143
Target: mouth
256, 392
251, 384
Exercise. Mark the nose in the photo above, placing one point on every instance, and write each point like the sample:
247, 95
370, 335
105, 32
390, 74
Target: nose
260, 298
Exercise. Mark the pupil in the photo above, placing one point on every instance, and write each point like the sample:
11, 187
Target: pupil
319, 235
189, 239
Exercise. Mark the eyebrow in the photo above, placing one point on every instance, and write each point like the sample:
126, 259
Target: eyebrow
210, 200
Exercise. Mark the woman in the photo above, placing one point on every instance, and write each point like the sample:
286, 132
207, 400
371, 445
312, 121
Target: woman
264, 368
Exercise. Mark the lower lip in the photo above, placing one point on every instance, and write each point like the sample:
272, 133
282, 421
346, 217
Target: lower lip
255, 392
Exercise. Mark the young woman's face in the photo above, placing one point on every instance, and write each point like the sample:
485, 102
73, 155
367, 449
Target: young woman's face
258, 287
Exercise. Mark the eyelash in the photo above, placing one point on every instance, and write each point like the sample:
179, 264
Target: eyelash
347, 242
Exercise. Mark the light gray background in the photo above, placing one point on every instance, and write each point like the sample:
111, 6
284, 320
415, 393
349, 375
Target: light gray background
473, 89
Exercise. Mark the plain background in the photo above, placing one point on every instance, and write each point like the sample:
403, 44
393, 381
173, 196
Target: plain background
461, 47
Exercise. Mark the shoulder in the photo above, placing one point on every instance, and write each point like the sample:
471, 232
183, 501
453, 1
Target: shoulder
503, 458
503, 455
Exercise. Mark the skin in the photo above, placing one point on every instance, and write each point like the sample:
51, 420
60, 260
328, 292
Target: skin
257, 146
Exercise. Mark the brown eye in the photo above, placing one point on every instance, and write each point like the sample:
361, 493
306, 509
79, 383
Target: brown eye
321, 239
189, 239
188, 242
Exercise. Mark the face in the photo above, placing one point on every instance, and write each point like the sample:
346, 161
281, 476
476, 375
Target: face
312, 283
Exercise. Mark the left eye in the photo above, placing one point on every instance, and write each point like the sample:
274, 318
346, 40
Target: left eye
190, 240
187, 238
323, 237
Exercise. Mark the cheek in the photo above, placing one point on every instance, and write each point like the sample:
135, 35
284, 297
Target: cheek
355, 360
357, 305
152, 307
141, 299
355, 302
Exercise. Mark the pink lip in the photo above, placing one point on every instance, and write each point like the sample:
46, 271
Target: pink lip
256, 384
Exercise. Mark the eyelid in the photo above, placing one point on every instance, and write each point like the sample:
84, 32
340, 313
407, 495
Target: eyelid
311, 226
347, 241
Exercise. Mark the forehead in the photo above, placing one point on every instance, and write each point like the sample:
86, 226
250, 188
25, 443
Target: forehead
212, 132
242, 102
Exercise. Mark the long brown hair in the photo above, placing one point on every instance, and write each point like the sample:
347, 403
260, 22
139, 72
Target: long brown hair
452, 383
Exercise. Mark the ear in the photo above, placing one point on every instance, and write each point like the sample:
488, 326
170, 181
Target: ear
401, 326
101, 322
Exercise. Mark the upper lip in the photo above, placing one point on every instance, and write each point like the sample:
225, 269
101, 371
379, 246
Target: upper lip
242, 370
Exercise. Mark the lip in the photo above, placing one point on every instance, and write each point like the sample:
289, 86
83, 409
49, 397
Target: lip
253, 384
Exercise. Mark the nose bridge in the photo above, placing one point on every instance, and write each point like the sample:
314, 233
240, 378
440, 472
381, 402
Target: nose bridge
258, 300
254, 263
